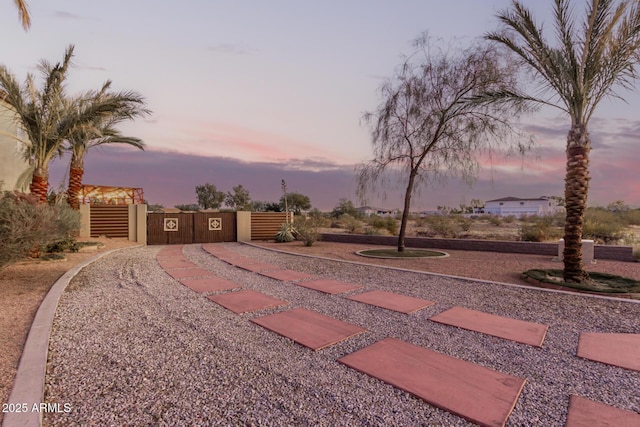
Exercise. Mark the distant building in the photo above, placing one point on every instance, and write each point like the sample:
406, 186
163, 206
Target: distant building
370, 211
12, 162
519, 207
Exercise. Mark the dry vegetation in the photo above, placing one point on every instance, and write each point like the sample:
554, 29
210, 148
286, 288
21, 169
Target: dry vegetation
601, 225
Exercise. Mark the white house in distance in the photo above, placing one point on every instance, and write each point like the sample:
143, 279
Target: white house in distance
12, 163
520, 207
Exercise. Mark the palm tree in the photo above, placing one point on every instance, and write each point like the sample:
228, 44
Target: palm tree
40, 113
585, 66
100, 131
23, 13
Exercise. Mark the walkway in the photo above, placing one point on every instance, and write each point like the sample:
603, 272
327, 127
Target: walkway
478, 394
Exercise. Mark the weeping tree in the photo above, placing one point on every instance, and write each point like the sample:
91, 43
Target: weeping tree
426, 129
586, 63
100, 130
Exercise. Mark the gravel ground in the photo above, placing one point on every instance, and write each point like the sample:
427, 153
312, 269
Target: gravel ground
132, 346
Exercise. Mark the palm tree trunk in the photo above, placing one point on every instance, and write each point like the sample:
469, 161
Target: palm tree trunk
75, 186
575, 193
40, 184
405, 211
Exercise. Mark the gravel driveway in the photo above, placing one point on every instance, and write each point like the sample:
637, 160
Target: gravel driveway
132, 346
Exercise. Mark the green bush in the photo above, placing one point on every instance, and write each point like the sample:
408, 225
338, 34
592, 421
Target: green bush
349, 223
28, 227
307, 229
384, 223
443, 226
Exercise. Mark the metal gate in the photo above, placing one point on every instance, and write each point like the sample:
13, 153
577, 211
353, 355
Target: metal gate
191, 227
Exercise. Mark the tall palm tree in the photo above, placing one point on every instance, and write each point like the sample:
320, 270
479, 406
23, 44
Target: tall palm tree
100, 131
586, 64
40, 113
23, 13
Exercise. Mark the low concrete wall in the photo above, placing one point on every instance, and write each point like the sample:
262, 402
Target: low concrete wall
617, 253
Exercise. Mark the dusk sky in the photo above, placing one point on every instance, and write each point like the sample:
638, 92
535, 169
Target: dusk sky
252, 92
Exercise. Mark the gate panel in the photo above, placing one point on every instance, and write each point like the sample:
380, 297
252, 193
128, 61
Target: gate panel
169, 228
211, 227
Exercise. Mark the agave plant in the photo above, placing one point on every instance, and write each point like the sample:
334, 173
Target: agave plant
287, 233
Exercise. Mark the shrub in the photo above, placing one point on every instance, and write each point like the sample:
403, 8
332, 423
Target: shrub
385, 223
307, 229
495, 220
465, 223
27, 227
349, 223
509, 219
443, 226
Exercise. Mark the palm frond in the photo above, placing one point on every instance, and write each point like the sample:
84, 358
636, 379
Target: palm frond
23, 13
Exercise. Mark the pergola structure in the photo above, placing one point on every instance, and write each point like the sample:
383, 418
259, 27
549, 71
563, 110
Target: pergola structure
105, 195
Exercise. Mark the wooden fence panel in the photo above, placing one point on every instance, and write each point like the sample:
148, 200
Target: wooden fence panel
169, 228
265, 225
211, 227
109, 220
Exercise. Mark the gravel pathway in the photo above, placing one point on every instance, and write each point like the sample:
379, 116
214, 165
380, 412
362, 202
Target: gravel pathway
132, 346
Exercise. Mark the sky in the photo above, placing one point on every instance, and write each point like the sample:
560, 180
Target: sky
252, 92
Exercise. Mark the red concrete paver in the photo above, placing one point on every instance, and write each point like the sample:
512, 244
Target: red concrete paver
181, 273
391, 301
171, 264
210, 284
258, 266
235, 259
502, 327
476, 393
621, 350
587, 413
245, 301
286, 275
308, 328
329, 286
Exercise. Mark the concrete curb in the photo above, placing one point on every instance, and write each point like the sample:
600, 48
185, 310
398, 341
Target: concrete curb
28, 387
470, 279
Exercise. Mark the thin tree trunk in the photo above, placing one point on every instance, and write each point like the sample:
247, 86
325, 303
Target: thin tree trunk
405, 211
75, 186
40, 184
575, 193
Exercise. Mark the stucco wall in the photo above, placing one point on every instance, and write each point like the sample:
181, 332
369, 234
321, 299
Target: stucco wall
11, 162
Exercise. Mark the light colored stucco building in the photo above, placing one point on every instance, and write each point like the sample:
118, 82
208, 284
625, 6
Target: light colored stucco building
520, 207
12, 163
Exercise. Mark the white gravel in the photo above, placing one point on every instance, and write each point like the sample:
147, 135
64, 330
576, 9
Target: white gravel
132, 346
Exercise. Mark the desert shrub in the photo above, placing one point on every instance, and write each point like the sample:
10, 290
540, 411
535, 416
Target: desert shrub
286, 233
602, 226
464, 223
533, 232
631, 217
495, 220
443, 226
69, 244
540, 228
349, 223
307, 229
27, 227
509, 219
384, 223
